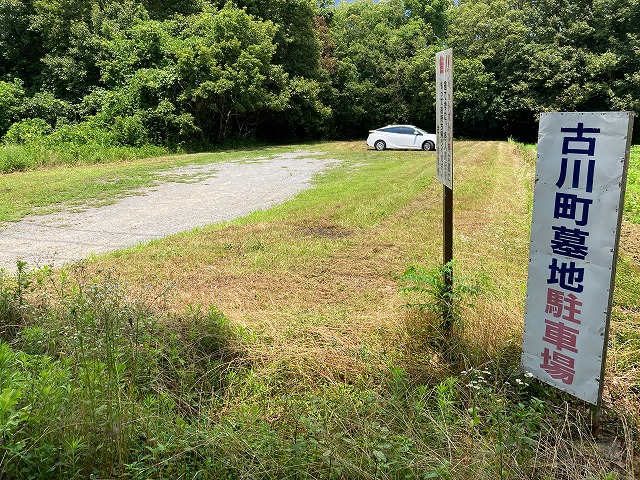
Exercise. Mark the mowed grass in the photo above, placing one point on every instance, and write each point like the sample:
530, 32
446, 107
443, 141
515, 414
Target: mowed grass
632, 199
278, 345
623, 365
318, 276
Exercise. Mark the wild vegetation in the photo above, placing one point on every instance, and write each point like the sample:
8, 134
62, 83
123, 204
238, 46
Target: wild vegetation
288, 343
87, 81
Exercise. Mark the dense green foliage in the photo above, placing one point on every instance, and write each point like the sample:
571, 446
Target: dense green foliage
545, 55
196, 72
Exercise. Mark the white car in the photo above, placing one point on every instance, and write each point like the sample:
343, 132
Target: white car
401, 136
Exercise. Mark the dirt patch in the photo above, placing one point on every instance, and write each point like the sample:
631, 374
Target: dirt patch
630, 241
326, 231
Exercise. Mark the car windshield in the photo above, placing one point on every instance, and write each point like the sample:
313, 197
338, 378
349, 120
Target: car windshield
404, 129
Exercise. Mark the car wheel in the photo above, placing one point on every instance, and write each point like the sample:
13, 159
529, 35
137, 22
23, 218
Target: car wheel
428, 146
380, 145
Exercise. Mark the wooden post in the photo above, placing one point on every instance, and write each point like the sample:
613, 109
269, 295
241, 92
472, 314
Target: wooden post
447, 256
444, 173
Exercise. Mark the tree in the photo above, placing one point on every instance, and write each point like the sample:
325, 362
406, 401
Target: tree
210, 73
384, 67
299, 54
11, 99
432, 12
490, 40
20, 46
224, 63
545, 55
162, 10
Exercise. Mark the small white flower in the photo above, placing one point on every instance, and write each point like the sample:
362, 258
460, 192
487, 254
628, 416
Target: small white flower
519, 382
528, 374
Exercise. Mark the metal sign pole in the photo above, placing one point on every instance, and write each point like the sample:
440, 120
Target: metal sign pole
596, 410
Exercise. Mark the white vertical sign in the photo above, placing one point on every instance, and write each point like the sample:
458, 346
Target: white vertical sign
577, 210
444, 117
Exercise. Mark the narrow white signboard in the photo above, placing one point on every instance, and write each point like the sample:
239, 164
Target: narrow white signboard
577, 210
444, 117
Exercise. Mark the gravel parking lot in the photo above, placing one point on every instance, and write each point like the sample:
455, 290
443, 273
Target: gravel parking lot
190, 197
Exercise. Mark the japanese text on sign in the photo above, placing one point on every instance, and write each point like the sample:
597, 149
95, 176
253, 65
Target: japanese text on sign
578, 197
444, 117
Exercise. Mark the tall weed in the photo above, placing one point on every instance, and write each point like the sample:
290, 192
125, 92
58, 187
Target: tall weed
89, 373
32, 144
440, 305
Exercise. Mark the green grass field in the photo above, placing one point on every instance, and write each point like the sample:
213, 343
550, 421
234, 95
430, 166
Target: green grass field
632, 198
280, 345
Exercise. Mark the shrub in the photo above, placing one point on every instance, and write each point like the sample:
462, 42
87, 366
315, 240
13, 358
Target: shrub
51, 109
129, 131
29, 131
79, 134
440, 304
91, 382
